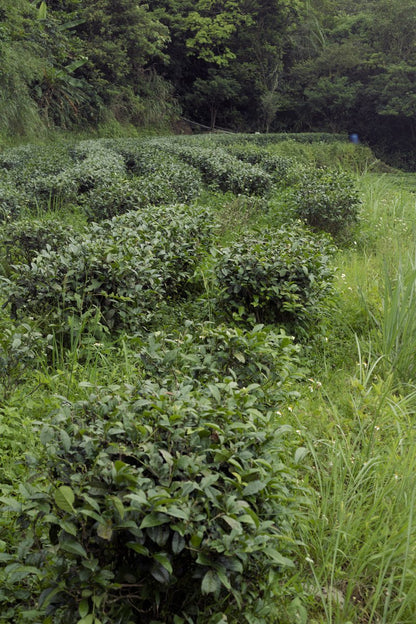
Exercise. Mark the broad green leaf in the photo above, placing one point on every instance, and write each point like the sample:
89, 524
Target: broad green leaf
240, 357
83, 608
105, 531
210, 583
164, 560
139, 548
222, 575
88, 619
154, 519
64, 498
300, 454
253, 487
166, 456
278, 558
160, 573
176, 513
232, 522
178, 543
139, 498
215, 392
74, 548
68, 527
65, 439
118, 504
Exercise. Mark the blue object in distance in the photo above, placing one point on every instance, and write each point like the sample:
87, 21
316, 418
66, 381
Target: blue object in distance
354, 138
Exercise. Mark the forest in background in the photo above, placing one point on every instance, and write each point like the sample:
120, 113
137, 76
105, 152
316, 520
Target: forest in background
246, 65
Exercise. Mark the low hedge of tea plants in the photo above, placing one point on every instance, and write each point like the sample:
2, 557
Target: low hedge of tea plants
154, 506
327, 200
152, 361
275, 276
123, 268
221, 170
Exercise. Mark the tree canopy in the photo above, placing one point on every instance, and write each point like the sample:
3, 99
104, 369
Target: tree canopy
251, 65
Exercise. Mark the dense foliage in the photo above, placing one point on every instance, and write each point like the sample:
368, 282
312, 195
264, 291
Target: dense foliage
246, 65
203, 420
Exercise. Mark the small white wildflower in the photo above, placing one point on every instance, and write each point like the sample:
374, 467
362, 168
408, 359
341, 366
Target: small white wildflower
309, 560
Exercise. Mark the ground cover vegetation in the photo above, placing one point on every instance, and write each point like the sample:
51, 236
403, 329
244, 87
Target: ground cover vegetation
207, 382
114, 66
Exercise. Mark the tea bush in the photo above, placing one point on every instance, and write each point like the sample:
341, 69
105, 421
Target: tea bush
156, 506
22, 347
222, 170
278, 276
115, 197
13, 201
207, 353
27, 161
45, 191
123, 267
326, 200
21, 241
279, 167
169, 185
97, 165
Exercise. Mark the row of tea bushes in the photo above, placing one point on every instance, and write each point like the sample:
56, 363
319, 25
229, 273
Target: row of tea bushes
94, 175
106, 178
177, 505
220, 169
126, 266
123, 267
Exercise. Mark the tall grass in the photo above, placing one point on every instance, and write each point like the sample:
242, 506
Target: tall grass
359, 542
357, 562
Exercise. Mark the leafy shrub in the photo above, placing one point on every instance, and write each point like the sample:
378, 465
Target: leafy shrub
157, 506
124, 268
46, 190
326, 200
280, 275
207, 353
179, 183
97, 166
114, 197
29, 160
13, 201
279, 137
131, 150
21, 346
222, 170
279, 167
23, 240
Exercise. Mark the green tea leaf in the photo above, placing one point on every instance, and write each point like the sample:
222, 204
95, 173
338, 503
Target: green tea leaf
211, 582
64, 498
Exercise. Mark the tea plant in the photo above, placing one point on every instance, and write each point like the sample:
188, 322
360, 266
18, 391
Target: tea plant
22, 347
277, 276
158, 505
21, 241
222, 170
124, 268
208, 353
326, 200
